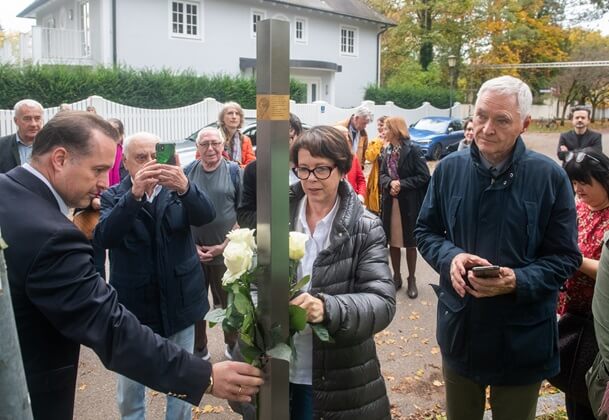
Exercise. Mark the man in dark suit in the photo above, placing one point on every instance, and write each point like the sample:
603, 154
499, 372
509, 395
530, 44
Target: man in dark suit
580, 137
59, 299
145, 223
16, 148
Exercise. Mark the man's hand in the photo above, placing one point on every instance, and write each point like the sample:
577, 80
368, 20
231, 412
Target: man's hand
145, 179
173, 177
492, 286
458, 269
96, 203
314, 307
209, 252
563, 148
236, 381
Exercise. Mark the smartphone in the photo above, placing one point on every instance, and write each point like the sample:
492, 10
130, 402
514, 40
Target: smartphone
165, 153
486, 271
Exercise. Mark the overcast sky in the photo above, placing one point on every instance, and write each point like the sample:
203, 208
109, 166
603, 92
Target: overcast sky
10, 8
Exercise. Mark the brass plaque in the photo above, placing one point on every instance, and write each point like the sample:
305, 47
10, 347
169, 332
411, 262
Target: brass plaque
272, 107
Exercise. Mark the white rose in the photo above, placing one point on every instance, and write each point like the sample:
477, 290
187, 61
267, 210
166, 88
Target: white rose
245, 236
237, 258
297, 245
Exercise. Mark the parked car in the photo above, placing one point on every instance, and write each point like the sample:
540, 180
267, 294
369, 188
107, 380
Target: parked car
186, 148
435, 135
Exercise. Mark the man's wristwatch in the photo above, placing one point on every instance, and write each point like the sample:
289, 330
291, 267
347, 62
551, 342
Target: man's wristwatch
210, 387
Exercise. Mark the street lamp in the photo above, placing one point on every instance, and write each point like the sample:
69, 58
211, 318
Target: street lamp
452, 62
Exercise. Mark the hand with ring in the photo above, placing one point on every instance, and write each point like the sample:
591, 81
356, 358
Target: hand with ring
236, 381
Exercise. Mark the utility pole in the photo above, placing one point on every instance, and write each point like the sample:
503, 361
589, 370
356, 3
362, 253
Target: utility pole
14, 397
272, 114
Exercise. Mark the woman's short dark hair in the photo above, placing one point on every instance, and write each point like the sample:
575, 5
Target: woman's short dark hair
295, 124
325, 142
594, 164
71, 130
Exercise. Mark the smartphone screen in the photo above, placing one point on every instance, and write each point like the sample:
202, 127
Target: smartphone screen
165, 153
486, 271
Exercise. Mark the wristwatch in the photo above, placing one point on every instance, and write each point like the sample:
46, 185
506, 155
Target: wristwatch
210, 387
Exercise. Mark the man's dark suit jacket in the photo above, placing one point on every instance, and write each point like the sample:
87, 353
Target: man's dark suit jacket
61, 302
570, 139
9, 153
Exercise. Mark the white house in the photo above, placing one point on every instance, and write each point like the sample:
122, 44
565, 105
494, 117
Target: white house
334, 44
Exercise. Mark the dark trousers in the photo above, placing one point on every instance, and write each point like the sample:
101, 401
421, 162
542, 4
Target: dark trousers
213, 274
301, 402
577, 411
465, 399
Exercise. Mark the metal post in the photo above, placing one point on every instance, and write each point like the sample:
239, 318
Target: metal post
450, 109
14, 397
272, 113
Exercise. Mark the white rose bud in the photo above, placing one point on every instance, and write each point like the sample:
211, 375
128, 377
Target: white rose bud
237, 258
297, 245
245, 236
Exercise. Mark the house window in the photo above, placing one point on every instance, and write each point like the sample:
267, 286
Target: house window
300, 30
257, 16
185, 19
348, 40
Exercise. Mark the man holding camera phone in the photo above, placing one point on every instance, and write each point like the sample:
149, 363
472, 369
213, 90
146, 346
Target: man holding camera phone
498, 203
145, 222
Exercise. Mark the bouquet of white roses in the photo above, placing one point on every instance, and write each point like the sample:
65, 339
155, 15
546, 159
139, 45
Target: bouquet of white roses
241, 313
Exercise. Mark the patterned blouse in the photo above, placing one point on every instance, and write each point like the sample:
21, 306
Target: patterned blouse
578, 289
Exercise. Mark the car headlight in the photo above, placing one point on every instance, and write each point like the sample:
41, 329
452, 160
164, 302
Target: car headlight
423, 141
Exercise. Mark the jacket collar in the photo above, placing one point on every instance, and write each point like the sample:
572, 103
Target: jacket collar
349, 210
29, 181
517, 153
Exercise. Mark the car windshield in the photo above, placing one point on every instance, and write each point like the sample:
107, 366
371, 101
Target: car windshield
437, 126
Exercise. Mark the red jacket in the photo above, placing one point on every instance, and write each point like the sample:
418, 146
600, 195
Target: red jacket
356, 178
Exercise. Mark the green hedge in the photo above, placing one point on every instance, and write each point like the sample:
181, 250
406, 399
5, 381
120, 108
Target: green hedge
411, 96
52, 85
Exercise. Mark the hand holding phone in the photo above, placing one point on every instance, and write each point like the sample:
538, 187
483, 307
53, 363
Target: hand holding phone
165, 153
486, 271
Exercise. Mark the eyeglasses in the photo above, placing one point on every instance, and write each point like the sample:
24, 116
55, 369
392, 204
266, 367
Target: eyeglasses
579, 157
208, 144
320, 172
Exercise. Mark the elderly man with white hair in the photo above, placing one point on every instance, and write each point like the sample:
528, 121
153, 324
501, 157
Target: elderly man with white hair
16, 148
498, 203
220, 180
145, 223
356, 124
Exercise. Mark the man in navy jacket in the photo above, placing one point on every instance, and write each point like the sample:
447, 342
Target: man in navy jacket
498, 203
59, 299
145, 222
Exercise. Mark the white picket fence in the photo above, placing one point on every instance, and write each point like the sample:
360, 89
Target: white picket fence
177, 123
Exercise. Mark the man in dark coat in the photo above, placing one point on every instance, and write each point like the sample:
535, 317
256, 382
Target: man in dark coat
16, 148
498, 203
145, 223
59, 299
580, 137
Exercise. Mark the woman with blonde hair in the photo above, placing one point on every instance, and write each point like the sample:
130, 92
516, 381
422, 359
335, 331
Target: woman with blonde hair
374, 155
237, 146
404, 177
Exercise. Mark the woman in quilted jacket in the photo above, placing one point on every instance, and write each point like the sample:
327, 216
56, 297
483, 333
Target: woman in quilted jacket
350, 291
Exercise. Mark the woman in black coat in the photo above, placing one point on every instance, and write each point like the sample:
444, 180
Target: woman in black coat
404, 178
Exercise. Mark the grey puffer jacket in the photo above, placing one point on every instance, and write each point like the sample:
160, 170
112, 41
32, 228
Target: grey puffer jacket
352, 277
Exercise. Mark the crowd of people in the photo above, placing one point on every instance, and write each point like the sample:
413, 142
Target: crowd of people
163, 227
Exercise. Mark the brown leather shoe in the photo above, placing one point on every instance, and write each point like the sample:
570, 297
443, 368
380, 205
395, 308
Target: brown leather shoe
412, 290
